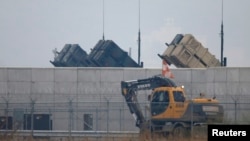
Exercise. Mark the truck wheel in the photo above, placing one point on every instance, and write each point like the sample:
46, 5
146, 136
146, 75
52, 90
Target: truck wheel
179, 132
166, 134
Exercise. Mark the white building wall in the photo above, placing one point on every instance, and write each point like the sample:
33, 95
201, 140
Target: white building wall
98, 87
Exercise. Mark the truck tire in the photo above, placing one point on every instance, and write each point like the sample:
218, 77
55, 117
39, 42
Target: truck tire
179, 132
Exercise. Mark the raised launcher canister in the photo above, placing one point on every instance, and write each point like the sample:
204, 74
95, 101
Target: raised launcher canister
186, 52
72, 55
106, 53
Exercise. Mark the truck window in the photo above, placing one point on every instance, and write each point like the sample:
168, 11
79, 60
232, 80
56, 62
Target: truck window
178, 96
160, 102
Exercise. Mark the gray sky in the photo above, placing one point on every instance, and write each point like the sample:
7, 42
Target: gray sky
31, 29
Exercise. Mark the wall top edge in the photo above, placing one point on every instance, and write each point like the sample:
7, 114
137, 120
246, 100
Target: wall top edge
122, 68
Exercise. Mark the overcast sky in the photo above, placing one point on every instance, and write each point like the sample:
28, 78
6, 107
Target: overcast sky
31, 29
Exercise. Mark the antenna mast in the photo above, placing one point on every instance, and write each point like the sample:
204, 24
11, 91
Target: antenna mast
103, 20
139, 40
222, 37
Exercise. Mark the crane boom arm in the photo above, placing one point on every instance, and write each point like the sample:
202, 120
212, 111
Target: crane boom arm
130, 88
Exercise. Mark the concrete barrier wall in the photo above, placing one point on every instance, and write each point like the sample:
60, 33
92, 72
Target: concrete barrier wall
91, 87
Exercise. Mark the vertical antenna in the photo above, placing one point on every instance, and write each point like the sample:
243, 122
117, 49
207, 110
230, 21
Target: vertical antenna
139, 40
222, 36
130, 52
103, 20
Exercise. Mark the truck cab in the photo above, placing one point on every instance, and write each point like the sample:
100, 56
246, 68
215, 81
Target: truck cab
167, 102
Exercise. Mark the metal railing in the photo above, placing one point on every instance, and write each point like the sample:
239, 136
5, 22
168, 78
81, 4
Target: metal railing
88, 118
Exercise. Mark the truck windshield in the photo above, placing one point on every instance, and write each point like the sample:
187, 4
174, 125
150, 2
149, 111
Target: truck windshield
178, 96
160, 102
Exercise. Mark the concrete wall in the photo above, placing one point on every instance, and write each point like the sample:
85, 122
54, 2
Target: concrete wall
97, 87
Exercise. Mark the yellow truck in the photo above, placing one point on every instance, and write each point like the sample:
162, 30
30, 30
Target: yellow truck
171, 113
